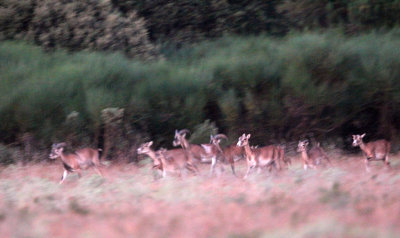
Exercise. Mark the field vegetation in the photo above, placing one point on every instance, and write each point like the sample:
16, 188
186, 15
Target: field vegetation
113, 74
338, 201
325, 84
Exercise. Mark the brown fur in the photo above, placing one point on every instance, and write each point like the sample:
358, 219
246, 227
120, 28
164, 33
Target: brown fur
374, 150
311, 157
283, 160
167, 161
75, 162
197, 153
231, 154
264, 157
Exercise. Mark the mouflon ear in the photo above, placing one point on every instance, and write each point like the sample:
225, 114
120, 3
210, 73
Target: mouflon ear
362, 136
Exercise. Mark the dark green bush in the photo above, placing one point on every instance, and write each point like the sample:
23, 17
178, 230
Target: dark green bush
187, 21
354, 16
6, 155
123, 25
15, 18
75, 25
327, 84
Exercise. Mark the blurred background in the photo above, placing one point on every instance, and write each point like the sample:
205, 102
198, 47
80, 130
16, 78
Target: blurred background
116, 73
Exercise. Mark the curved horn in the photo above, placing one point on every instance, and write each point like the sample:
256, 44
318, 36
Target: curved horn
184, 131
62, 144
221, 136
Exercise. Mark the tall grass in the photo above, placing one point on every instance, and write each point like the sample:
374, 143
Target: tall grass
276, 89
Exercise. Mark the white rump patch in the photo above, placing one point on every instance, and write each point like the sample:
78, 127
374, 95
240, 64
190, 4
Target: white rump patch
265, 162
207, 148
379, 156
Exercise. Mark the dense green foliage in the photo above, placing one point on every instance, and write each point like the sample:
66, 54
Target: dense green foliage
124, 25
326, 84
185, 21
75, 25
227, 65
354, 15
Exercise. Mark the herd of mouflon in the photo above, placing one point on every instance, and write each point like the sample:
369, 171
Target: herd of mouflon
185, 159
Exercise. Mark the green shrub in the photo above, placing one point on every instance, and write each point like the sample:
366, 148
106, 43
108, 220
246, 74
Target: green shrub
201, 133
187, 21
6, 156
277, 90
75, 25
353, 16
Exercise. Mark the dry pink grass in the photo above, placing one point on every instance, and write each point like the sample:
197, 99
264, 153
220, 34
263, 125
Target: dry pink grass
340, 201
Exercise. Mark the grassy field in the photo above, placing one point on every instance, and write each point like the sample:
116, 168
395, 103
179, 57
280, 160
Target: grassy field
340, 201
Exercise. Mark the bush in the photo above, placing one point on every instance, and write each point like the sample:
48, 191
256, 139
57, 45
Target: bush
15, 17
353, 16
7, 156
76, 25
187, 21
277, 90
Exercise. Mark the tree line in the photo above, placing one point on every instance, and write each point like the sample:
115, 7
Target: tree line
139, 28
